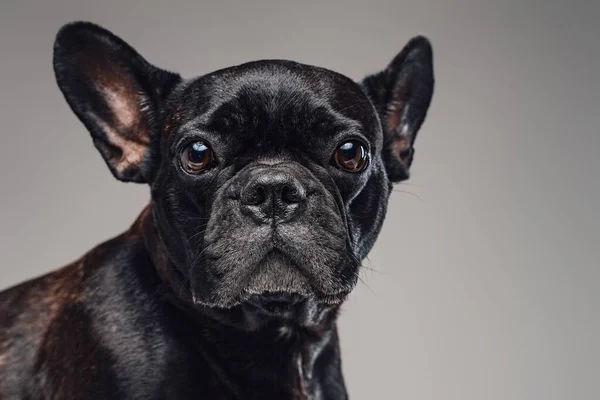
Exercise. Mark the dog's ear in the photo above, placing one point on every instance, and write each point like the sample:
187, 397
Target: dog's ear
401, 94
115, 92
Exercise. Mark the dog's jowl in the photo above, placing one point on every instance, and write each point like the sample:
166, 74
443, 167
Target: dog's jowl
269, 184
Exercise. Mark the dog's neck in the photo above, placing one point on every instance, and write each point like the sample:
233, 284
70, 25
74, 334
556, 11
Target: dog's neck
286, 357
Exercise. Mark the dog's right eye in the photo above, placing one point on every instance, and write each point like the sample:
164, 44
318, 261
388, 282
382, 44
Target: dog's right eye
196, 157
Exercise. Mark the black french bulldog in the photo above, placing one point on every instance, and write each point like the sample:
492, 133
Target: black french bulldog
269, 184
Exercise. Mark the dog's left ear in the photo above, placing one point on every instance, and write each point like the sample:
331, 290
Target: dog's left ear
401, 94
115, 92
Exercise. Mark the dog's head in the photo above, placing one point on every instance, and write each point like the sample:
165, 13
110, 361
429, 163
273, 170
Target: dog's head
267, 177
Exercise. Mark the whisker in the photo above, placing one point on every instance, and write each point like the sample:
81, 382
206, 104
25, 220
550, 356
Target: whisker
200, 231
409, 184
364, 283
200, 218
409, 193
370, 268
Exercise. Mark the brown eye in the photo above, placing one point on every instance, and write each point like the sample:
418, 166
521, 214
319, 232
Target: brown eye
196, 157
351, 156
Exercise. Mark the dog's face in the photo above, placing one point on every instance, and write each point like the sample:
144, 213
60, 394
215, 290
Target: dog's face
267, 177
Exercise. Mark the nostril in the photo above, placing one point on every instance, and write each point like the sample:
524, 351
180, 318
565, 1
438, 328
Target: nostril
255, 196
292, 194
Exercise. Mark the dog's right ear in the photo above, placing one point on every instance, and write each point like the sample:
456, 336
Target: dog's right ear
115, 92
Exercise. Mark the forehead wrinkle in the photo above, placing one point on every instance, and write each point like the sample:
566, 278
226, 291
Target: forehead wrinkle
273, 89
317, 111
198, 120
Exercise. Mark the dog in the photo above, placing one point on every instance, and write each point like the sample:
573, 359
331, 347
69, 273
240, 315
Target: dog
269, 184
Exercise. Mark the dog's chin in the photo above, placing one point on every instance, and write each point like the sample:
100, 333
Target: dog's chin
275, 285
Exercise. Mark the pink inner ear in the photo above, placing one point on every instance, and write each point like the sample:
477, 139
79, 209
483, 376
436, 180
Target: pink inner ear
132, 153
123, 105
402, 148
397, 124
396, 108
128, 130
400, 145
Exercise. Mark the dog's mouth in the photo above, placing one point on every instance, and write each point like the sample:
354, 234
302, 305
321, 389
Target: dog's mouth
277, 273
276, 284
276, 303
281, 278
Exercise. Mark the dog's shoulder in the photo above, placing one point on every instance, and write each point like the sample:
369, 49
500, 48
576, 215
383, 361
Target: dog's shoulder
44, 318
26, 311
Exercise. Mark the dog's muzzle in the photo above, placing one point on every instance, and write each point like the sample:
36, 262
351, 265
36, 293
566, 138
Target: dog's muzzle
273, 228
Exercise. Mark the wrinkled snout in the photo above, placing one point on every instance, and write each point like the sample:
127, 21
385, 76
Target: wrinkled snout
274, 227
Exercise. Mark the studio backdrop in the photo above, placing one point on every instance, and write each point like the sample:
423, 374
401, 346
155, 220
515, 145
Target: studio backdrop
485, 281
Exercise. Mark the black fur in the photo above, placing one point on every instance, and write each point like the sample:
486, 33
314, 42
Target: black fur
212, 293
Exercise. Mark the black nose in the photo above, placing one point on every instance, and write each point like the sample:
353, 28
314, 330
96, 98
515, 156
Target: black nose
272, 194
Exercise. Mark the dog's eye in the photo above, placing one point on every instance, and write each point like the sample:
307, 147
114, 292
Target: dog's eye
196, 157
351, 156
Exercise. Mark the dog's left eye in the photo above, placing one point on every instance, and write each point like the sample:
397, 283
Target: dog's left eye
351, 156
196, 157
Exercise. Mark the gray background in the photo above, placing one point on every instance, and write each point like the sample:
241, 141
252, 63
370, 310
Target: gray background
487, 282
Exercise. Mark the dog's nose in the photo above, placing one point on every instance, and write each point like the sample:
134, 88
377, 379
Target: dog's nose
272, 194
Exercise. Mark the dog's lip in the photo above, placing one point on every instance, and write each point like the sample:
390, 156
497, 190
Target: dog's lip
293, 297
275, 297
289, 299
275, 303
